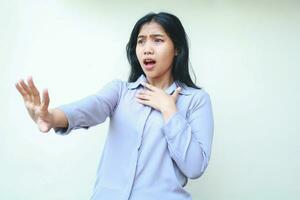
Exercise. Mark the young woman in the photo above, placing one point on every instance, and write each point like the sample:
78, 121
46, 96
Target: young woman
161, 123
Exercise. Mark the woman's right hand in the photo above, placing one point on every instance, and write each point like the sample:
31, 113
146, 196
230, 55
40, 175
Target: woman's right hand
37, 109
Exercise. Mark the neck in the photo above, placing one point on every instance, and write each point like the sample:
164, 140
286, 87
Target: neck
162, 83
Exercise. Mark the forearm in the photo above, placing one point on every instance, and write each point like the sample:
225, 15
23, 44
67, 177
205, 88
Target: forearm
185, 148
89, 111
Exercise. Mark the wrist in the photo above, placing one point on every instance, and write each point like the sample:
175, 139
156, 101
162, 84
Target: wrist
58, 119
168, 112
51, 118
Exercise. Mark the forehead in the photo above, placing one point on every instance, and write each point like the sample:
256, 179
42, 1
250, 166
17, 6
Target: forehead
151, 28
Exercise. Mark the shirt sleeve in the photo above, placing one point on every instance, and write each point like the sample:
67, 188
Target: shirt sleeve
190, 138
91, 110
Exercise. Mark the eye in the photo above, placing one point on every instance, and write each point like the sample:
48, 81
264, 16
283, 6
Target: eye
157, 40
141, 41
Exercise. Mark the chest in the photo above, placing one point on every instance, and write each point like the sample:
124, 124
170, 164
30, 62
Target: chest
133, 118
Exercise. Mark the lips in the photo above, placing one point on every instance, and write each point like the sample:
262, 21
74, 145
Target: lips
149, 63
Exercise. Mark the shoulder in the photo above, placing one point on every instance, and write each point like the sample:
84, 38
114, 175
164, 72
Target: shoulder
195, 93
116, 83
197, 97
119, 82
114, 86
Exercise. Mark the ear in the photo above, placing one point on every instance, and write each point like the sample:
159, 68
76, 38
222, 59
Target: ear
176, 52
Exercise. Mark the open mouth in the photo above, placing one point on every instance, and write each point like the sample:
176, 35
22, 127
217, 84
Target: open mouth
149, 63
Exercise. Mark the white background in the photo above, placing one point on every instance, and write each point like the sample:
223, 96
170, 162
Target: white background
245, 54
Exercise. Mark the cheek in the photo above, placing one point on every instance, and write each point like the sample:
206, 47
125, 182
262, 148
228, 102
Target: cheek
167, 52
138, 53
167, 57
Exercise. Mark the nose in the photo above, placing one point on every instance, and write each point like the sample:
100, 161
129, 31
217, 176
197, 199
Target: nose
148, 50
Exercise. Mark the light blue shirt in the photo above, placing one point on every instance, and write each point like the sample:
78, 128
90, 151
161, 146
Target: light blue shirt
145, 158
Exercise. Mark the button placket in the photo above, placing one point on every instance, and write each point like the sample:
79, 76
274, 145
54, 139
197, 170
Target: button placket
140, 130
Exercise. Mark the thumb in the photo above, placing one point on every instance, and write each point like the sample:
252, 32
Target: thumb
176, 93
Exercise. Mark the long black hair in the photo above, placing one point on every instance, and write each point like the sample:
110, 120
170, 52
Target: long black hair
175, 30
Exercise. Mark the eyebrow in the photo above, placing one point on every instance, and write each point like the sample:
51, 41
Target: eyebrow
152, 35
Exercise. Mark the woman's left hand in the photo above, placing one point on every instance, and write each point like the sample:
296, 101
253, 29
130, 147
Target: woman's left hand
159, 99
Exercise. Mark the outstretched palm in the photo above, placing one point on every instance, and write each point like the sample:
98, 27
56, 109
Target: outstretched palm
37, 109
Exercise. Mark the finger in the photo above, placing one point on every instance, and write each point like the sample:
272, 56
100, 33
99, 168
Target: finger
176, 93
25, 87
144, 102
46, 100
142, 96
35, 92
146, 92
22, 91
149, 86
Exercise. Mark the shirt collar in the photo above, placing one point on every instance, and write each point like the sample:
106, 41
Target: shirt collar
142, 79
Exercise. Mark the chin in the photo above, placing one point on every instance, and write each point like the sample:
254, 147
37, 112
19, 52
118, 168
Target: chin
151, 75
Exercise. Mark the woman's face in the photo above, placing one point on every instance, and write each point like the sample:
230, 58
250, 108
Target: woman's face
155, 51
